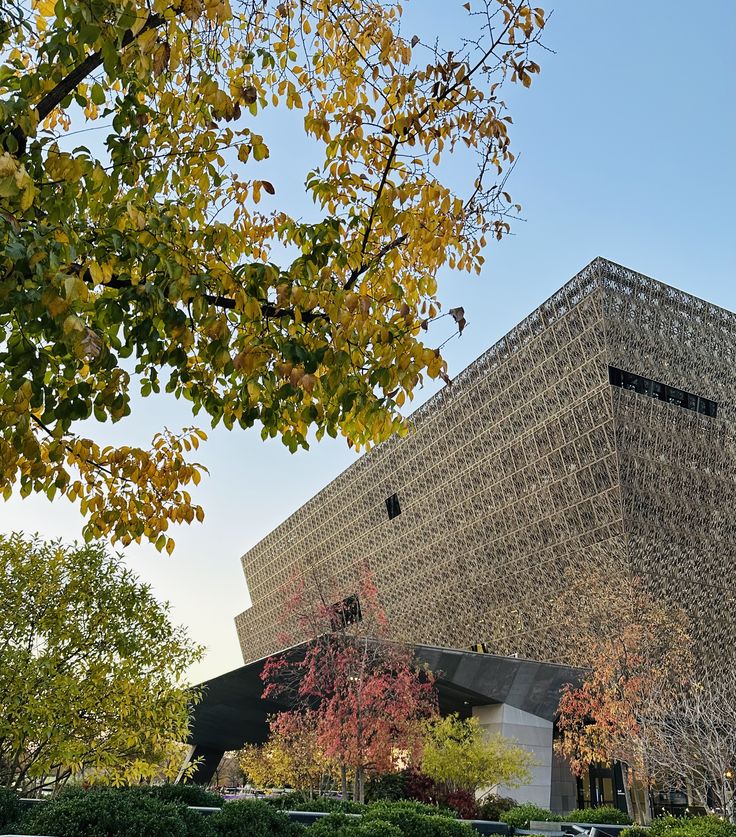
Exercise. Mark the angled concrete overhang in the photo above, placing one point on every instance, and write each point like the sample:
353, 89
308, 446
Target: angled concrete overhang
232, 712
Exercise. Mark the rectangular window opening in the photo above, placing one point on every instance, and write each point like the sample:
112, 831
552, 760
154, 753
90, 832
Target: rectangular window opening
392, 506
344, 613
662, 392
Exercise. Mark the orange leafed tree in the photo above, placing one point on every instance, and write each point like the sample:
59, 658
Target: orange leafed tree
610, 717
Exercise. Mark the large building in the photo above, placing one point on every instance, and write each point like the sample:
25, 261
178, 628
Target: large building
592, 445
598, 434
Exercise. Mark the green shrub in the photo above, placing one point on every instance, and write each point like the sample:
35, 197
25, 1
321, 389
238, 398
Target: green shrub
391, 786
185, 794
112, 813
520, 815
287, 801
377, 828
635, 831
691, 827
339, 825
376, 808
9, 807
417, 820
491, 807
251, 818
329, 805
602, 814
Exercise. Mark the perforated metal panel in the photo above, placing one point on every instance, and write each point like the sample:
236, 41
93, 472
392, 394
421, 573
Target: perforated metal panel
529, 470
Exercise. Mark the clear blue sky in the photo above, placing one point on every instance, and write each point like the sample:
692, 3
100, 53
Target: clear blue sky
626, 148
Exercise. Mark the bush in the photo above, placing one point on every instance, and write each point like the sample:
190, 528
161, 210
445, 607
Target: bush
338, 825
491, 807
391, 786
286, 801
328, 805
420, 787
251, 818
112, 813
635, 831
691, 827
9, 807
416, 820
185, 794
410, 805
603, 814
520, 815
463, 802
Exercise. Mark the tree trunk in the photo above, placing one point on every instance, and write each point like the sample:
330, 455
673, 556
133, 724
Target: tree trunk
343, 782
724, 799
359, 785
643, 799
627, 792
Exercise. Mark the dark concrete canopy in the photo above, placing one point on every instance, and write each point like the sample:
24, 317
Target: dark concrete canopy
232, 712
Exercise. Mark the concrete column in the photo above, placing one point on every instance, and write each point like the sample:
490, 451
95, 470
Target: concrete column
533, 734
564, 787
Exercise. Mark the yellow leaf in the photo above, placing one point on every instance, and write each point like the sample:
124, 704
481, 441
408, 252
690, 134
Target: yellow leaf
44, 7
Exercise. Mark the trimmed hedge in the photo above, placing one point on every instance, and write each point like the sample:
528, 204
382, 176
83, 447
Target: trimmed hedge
186, 794
520, 815
690, 827
286, 801
416, 807
9, 807
194, 795
112, 813
251, 818
339, 825
417, 820
602, 814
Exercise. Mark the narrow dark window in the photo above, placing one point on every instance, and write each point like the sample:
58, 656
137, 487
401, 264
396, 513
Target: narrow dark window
392, 506
655, 389
344, 613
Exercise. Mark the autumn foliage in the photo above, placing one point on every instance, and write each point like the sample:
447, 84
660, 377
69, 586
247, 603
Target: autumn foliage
146, 244
365, 694
292, 756
92, 670
634, 666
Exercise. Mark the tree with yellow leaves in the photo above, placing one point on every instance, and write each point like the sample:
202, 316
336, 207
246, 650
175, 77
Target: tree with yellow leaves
150, 260
91, 670
291, 757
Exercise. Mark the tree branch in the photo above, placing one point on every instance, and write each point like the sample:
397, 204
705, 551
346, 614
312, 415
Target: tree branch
361, 268
399, 138
269, 311
76, 76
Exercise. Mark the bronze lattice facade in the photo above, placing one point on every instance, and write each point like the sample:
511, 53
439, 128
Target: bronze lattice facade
531, 469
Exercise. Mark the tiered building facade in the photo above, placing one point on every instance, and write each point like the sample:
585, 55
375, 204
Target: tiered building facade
597, 435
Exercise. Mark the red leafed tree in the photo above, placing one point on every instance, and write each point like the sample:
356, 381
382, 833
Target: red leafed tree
368, 694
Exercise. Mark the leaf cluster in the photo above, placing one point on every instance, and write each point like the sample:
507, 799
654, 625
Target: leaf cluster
91, 670
158, 257
460, 756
